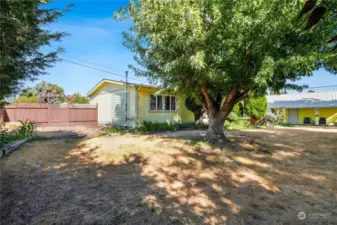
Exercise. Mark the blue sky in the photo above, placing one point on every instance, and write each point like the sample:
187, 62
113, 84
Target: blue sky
96, 40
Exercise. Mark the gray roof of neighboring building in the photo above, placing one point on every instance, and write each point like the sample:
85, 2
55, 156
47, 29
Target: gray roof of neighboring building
303, 100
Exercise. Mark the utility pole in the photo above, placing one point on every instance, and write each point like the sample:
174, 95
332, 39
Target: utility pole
126, 96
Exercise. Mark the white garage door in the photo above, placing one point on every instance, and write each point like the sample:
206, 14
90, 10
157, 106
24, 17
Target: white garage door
293, 116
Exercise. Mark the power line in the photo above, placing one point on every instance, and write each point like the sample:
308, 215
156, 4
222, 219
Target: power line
98, 69
100, 66
121, 75
116, 74
321, 87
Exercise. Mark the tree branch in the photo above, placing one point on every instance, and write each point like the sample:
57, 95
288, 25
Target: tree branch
230, 100
242, 96
208, 99
234, 96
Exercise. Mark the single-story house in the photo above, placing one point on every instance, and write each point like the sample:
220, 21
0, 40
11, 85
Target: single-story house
127, 105
306, 108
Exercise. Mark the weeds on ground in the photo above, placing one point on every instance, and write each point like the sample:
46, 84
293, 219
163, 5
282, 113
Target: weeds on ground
39, 138
116, 129
149, 126
26, 129
287, 125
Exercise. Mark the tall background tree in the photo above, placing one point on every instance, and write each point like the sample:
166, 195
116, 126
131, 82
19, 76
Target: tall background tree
79, 99
28, 95
226, 48
49, 93
23, 34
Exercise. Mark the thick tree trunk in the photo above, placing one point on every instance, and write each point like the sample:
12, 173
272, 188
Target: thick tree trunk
217, 113
216, 125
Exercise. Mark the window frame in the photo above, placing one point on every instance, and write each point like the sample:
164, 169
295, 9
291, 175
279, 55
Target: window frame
163, 103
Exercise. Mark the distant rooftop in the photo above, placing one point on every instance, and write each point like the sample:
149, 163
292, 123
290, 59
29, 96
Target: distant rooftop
103, 81
303, 100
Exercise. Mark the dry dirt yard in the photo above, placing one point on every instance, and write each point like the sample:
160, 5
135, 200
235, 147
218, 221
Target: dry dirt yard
264, 176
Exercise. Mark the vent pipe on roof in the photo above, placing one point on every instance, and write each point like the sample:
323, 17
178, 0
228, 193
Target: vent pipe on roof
126, 96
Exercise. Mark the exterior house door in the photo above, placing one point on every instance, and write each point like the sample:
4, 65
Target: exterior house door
293, 116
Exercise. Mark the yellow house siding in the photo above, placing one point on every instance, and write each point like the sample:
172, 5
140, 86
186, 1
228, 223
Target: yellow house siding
310, 112
182, 114
328, 112
306, 112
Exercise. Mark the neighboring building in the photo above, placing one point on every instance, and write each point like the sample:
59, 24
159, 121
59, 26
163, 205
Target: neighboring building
144, 103
307, 108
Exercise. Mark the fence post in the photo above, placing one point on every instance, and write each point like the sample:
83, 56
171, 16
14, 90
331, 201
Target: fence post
49, 116
68, 115
15, 114
96, 114
2, 114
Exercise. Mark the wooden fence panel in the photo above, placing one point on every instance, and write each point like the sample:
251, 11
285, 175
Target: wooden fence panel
38, 115
9, 114
58, 114
86, 114
52, 115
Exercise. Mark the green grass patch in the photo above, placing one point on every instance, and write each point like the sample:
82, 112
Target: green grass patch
287, 125
238, 125
39, 138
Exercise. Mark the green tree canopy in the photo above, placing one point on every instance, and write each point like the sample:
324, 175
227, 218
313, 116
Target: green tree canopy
28, 92
27, 99
49, 93
79, 99
23, 34
220, 48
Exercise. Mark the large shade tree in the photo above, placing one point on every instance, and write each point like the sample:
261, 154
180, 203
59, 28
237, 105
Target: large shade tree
223, 50
23, 33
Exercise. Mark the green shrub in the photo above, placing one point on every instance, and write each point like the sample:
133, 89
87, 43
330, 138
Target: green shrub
240, 124
232, 117
26, 129
117, 129
256, 106
238, 109
149, 126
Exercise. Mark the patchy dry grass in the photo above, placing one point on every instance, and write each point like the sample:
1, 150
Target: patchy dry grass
261, 177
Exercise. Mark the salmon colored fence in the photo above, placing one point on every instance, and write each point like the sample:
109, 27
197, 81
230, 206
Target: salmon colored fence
52, 115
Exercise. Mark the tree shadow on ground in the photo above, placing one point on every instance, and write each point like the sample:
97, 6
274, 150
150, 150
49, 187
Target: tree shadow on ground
170, 182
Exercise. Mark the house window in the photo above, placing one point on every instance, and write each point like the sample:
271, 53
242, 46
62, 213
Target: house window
159, 102
173, 103
162, 103
153, 102
167, 102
